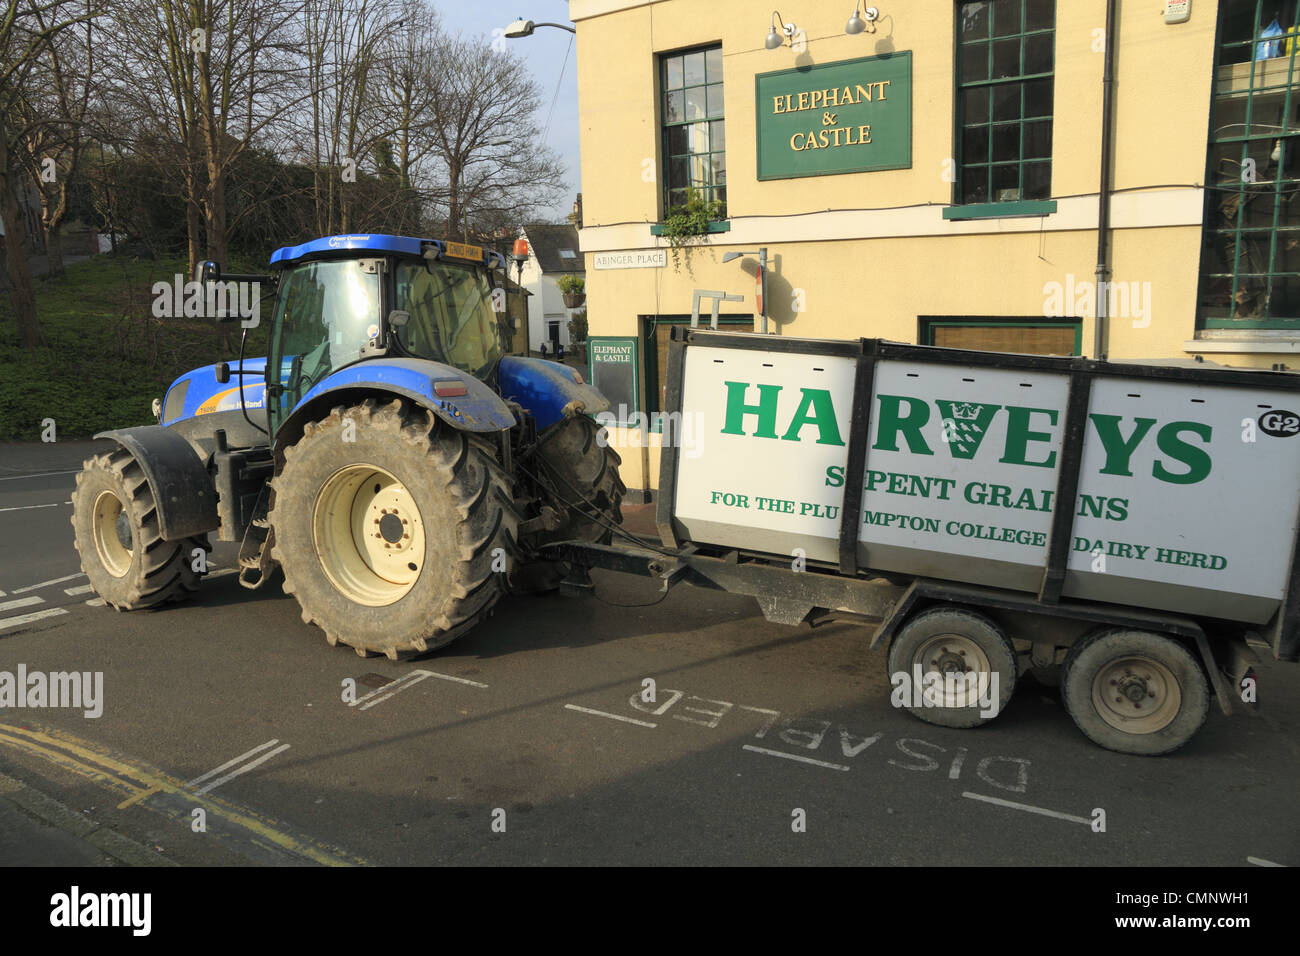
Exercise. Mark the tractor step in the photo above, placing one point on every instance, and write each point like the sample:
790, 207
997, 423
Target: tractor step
256, 566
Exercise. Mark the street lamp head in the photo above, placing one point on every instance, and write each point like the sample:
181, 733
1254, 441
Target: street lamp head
729, 256
520, 28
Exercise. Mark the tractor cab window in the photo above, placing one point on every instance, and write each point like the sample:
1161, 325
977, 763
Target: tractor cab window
452, 319
325, 314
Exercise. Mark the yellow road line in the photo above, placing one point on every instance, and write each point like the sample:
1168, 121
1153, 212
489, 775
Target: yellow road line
140, 782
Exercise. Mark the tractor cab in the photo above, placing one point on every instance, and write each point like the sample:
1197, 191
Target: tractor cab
344, 299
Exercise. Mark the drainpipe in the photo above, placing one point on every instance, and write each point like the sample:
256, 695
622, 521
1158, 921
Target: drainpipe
1103, 211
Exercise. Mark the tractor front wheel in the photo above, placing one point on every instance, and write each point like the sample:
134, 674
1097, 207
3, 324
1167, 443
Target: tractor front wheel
123, 554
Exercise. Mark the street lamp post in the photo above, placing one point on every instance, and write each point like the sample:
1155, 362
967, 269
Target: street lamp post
525, 28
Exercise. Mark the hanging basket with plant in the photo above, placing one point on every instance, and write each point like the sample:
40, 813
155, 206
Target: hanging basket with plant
687, 224
574, 290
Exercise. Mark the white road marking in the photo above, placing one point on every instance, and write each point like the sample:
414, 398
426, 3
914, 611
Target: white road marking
41, 474
778, 753
7, 622
21, 602
84, 589
1028, 809
1258, 862
2, 593
409, 680
244, 769
46, 584
232, 762
96, 602
30, 507
601, 713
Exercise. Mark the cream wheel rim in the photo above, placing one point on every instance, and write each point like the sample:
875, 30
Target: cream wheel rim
1136, 694
369, 535
961, 667
110, 525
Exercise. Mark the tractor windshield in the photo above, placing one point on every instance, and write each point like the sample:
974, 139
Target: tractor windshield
325, 314
452, 318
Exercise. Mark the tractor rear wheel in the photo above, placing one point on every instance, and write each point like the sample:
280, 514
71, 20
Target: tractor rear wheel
115, 520
582, 470
394, 534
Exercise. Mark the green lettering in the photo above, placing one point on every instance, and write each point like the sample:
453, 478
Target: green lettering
892, 422
737, 409
1196, 459
1119, 451
823, 416
1019, 436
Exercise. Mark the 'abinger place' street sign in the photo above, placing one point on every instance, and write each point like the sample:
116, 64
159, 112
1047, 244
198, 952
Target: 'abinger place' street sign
845, 117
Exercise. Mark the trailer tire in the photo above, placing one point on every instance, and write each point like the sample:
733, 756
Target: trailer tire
941, 640
1111, 671
396, 540
117, 533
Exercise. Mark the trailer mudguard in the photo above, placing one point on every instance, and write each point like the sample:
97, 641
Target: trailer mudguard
550, 391
182, 488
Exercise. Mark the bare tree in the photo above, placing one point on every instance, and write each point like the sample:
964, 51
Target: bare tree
54, 106
486, 138
27, 28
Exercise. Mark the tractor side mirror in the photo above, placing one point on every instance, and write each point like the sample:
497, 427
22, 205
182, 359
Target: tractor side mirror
207, 271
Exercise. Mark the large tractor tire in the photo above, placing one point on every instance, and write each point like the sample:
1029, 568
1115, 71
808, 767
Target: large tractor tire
115, 520
575, 461
583, 471
1135, 692
395, 533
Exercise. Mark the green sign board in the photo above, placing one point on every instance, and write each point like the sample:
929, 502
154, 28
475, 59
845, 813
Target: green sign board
612, 363
844, 117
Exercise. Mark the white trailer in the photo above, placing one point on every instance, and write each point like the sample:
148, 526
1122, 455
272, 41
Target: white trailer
1125, 529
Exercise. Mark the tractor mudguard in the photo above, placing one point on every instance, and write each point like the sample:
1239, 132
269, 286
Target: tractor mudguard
182, 488
479, 410
549, 390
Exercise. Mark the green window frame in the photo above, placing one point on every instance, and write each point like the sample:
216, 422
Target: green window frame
929, 325
693, 131
1005, 81
1250, 250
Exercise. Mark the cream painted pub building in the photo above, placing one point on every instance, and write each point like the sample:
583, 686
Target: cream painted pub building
935, 174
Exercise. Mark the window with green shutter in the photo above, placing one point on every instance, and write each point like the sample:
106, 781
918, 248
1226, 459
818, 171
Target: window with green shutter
1250, 253
694, 139
1005, 64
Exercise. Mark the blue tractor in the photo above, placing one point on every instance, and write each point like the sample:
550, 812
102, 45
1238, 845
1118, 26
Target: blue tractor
387, 456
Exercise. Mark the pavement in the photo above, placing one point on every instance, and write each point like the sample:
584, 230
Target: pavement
230, 709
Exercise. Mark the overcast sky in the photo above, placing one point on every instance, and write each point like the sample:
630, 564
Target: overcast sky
544, 54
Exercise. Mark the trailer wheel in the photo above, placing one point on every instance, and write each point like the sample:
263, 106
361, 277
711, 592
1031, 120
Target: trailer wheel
394, 541
116, 531
969, 656
1135, 692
